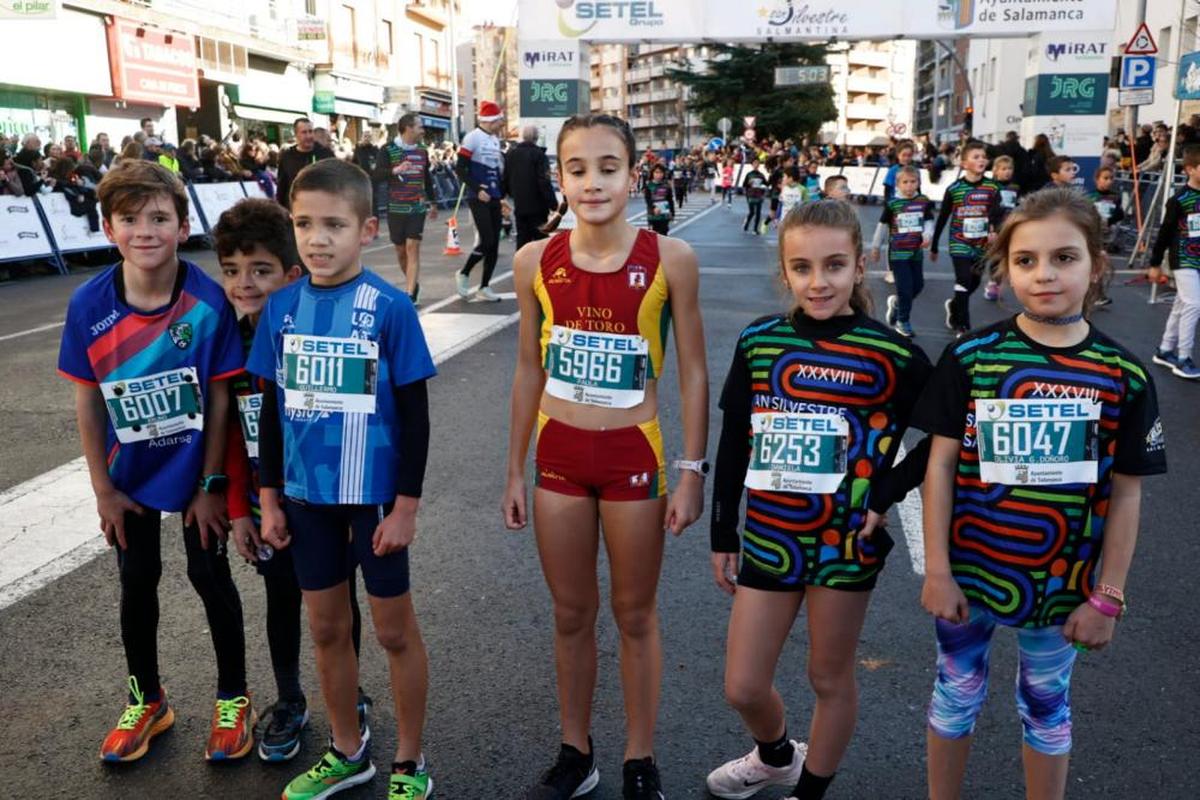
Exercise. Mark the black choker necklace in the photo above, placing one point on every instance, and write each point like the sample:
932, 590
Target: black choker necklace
1068, 320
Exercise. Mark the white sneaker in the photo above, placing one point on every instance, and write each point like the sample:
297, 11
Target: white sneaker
889, 277
949, 314
893, 304
746, 776
463, 284
486, 293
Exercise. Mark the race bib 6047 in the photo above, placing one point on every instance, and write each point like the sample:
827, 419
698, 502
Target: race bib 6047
1037, 442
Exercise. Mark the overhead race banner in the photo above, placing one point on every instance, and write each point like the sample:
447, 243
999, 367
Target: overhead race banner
815, 20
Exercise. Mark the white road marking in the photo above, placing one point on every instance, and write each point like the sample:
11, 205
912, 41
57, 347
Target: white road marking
911, 512
38, 329
49, 525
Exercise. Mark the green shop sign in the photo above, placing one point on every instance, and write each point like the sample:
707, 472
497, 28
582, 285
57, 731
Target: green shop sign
1066, 95
550, 98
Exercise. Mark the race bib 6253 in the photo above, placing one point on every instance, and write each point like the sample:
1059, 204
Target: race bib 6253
797, 452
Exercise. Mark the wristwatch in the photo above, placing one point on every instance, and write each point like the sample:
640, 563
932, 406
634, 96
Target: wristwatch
700, 467
214, 484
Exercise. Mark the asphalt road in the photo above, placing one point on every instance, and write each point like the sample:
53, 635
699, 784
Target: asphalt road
486, 613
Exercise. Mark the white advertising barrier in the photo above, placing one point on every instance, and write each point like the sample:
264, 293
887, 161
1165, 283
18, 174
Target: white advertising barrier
216, 198
861, 180
195, 224
937, 191
252, 189
22, 234
826, 172
818, 20
71, 234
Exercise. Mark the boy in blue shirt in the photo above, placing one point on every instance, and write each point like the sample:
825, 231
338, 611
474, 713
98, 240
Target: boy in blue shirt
343, 441
150, 344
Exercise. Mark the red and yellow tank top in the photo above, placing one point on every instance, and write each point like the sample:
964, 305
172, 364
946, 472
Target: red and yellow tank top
602, 334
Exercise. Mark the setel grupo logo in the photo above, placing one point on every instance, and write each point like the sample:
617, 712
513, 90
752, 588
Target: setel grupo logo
641, 13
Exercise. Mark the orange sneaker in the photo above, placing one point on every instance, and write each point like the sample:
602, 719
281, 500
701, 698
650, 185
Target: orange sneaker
141, 722
232, 734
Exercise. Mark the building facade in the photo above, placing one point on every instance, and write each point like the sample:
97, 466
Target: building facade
941, 96
872, 91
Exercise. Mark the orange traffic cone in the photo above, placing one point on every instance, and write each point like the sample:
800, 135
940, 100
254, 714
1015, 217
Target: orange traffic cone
452, 248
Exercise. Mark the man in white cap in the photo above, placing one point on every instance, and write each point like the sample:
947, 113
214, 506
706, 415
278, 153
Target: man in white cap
481, 167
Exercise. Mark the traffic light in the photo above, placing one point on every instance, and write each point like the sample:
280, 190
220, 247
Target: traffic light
968, 118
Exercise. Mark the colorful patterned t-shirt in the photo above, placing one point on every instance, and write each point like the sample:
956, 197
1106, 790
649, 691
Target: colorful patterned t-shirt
906, 218
409, 181
973, 210
824, 405
1042, 431
153, 369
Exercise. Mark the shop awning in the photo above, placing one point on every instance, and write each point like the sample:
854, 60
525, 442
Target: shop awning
351, 108
267, 114
434, 122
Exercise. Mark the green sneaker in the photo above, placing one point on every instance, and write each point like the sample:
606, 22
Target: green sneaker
418, 786
333, 773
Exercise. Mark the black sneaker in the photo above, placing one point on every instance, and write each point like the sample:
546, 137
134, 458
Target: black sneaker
416, 295
364, 710
282, 723
641, 780
573, 775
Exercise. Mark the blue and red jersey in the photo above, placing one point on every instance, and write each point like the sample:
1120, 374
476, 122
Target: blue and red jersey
153, 369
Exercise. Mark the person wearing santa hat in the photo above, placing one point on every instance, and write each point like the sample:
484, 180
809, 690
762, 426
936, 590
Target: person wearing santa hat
480, 166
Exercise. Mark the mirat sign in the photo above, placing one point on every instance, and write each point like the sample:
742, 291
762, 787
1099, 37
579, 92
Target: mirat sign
799, 20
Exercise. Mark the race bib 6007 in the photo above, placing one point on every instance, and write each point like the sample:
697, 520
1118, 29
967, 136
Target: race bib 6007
599, 369
1037, 442
153, 406
797, 452
329, 373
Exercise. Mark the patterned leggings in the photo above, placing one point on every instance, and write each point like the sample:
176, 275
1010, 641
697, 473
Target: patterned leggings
1043, 681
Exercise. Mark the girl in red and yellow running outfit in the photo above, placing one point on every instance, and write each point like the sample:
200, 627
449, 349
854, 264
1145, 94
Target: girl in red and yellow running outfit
596, 304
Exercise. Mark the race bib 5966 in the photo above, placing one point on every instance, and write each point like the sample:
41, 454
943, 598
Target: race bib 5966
1037, 442
599, 369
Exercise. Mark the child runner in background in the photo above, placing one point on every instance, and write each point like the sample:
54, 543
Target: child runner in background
907, 219
660, 205
1043, 427
792, 193
150, 343
1010, 191
823, 394
972, 207
754, 185
727, 182
837, 187
1108, 206
679, 181
343, 441
904, 158
600, 461
1063, 171
257, 254
1180, 233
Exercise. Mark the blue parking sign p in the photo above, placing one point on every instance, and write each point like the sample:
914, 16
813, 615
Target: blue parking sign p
1137, 72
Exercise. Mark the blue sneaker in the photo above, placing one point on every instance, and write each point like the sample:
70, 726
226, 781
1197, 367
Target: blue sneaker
364, 711
283, 724
1186, 369
1166, 358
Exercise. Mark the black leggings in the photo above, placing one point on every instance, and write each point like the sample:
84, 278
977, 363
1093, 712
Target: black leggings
140, 566
753, 211
487, 224
661, 226
968, 270
283, 624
